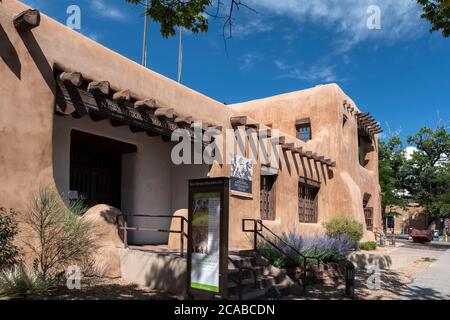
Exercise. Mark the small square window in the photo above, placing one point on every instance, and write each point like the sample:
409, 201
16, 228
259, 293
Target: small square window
304, 130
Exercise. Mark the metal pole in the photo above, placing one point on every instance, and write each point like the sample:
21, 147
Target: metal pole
180, 55
182, 237
144, 44
255, 239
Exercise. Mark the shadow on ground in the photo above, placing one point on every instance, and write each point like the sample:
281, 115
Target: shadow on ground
107, 289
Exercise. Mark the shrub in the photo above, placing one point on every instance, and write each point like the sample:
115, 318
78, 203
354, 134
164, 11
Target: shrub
19, 282
368, 246
276, 258
9, 253
344, 226
60, 237
78, 206
326, 248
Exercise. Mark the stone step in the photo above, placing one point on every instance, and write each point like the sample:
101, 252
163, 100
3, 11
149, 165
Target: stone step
242, 261
262, 282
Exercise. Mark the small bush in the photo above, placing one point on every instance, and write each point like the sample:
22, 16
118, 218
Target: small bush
78, 206
325, 248
345, 226
368, 246
19, 282
60, 237
9, 253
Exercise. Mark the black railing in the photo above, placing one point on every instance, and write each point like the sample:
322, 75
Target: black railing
259, 228
125, 228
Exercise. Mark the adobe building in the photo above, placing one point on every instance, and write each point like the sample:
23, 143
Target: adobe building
413, 216
86, 120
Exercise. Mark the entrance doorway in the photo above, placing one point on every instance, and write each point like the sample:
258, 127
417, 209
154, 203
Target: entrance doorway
96, 168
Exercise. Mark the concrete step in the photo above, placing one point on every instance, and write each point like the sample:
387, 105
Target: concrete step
242, 261
262, 282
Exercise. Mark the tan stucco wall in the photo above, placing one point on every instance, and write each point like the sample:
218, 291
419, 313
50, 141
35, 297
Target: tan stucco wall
27, 117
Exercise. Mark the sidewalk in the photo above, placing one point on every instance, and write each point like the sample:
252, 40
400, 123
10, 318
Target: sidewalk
432, 284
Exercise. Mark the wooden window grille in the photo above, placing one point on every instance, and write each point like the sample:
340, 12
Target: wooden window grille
267, 197
307, 203
303, 127
368, 214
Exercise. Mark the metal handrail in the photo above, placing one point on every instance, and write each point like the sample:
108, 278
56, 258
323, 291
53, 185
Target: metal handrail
125, 228
239, 281
257, 232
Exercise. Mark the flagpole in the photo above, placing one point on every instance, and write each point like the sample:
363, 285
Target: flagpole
180, 55
144, 44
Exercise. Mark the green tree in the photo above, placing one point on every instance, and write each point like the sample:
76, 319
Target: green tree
189, 14
392, 159
427, 172
437, 12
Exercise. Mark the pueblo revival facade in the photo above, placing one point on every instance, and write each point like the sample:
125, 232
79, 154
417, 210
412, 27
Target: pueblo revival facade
85, 120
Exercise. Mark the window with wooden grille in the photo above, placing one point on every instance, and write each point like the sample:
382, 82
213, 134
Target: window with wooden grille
307, 203
303, 127
368, 214
267, 197
390, 222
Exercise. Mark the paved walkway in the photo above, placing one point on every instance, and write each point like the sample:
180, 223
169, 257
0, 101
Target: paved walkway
433, 283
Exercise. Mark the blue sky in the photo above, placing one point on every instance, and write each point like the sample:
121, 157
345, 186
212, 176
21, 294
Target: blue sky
399, 73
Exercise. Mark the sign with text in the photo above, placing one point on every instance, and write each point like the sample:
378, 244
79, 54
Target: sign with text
208, 237
241, 176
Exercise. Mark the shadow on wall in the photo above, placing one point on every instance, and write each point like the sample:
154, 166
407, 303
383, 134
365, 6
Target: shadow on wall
39, 59
9, 54
157, 271
364, 260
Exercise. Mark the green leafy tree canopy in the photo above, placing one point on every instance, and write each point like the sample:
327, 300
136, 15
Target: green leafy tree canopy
437, 12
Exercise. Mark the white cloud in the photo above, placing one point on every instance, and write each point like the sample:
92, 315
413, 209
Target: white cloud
410, 151
347, 19
249, 60
315, 73
250, 27
107, 10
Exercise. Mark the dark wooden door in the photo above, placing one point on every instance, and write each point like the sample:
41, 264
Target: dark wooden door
267, 197
96, 174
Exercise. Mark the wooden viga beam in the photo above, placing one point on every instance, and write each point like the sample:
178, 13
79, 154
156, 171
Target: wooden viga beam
363, 115
27, 20
182, 120
279, 140
367, 123
199, 123
309, 154
124, 95
288, 146
145, 105
298, 150
73, 78
265, 133
374, 128
102, 87
238, 121
168, 113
